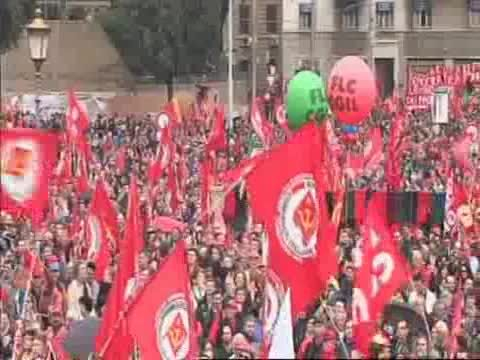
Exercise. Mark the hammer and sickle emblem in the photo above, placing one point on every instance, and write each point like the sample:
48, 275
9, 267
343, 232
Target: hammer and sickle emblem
176, 336
306, 218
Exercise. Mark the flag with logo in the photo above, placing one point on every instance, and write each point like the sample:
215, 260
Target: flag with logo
27, 160
383, 271
113, 340
263, 128
161, 318
292, 208
77, 119
102, 230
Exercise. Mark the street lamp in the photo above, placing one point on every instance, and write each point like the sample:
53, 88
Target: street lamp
38, 33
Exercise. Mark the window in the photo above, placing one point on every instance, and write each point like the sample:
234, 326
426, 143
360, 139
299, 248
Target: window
474, 13
350, 17
272, 19
244, 12
305, 16
385, 14
422, 14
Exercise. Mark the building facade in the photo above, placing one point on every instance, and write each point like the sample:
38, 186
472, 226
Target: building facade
397, 34
257, 29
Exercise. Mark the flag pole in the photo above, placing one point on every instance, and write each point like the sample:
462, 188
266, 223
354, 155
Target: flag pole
342, 342
425, 321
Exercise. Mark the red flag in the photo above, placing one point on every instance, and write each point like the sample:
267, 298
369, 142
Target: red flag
173, 111
164, 156
458, 305
77, 119
218, 137
57, 348
207, 180
374, 149
63, 170
425, 206
134, 230
161, 318
461, 151
102, 230
121, 159
263, 128
288, 205
167, 224
383, 271
281, 115
113, 340
27, 162
82, 183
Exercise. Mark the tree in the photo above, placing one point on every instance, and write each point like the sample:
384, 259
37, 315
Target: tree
167, 38
13, 15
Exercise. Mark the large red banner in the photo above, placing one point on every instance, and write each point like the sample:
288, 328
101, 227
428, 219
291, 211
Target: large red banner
422, 85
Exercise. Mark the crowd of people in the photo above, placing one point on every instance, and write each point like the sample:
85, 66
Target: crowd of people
227, 268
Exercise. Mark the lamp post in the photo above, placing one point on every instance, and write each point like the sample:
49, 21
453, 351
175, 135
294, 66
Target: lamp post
38, 33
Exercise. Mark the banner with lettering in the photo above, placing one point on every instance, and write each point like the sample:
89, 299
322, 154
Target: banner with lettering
422, 85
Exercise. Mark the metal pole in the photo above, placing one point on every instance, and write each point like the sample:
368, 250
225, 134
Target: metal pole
372, 33
1, 82
254, 50
3, 67
230, 64
313, 30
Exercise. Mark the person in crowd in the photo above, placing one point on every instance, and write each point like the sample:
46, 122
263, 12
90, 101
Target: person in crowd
226, 261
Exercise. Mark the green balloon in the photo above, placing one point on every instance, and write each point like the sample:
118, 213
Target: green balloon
306, 95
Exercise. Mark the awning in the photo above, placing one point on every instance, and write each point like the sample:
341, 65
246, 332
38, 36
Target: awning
422, 5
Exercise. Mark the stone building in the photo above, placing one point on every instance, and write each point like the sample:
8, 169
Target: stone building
419, 33
401, 33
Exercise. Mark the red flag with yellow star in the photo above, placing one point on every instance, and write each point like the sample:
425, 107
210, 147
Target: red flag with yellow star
286, 197
161, 317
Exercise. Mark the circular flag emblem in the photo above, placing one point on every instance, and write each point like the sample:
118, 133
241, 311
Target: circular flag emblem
274, 294
172, 328
298, 217
163, 120
95, 235
19, 169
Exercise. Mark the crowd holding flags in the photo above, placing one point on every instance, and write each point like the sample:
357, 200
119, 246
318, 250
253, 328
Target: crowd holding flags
158, 316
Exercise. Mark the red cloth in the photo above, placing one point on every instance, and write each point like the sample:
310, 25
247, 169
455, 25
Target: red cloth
102, 230
263, 128
302, 351
218, 137
424, 207
288, 205
28, 160
166, 224
77, 119
384, 270
113, 327
57, 345
161, 318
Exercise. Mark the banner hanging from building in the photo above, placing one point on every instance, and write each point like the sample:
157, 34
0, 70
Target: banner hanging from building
422, 85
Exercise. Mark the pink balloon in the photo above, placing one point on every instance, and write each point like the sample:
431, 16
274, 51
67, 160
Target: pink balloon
352, 90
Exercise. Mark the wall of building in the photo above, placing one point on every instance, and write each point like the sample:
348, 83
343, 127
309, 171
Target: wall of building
451, 37
80, 56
